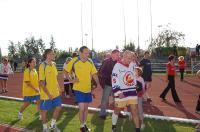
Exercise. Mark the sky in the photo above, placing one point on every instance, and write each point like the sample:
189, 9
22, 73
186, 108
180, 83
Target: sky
20, 19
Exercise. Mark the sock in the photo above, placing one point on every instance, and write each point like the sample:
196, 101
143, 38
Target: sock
53, 122
45, 126
114, 119
20, 113
82, 125
137, 129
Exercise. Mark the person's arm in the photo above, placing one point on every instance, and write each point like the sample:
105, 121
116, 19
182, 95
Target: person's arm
68, 72
42, 81
95, 76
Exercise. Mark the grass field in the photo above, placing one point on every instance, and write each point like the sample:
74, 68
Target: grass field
69, 122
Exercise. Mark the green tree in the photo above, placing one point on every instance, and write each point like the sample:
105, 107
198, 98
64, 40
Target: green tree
130, 46
167, 37
52, 44
41, 45
12, 50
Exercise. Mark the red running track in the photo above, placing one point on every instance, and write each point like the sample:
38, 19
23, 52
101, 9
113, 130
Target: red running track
188, 92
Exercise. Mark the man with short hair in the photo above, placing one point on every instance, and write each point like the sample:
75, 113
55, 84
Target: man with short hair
84, 71
124, 89
106, 72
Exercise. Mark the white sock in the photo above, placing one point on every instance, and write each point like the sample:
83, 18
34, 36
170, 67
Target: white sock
45, 126
53, 122
82, 125
20, 113
114, 119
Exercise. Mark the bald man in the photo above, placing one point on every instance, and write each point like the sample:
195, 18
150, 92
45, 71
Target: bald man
124, 89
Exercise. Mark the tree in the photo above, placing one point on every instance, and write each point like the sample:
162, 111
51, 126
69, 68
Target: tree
41, 45
52, 44
12, 50
0, 54
167, 38
130, 46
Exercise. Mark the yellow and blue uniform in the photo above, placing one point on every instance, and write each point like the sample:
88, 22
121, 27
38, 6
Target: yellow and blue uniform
48, 74
83, 72
29, 94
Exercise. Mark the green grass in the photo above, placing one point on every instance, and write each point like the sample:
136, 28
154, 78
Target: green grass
69, 121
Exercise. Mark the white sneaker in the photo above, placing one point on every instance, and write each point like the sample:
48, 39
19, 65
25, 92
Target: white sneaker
142, 126
55, 128
45, 130
20, 116
40, 117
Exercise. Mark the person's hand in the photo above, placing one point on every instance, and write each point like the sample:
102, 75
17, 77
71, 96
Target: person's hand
50, 96
37, 90
121, 95
74, 80
99, 86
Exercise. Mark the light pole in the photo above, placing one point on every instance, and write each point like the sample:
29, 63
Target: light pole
82, 23
124, 18
151, 20
138, 22
92, 24
86, 35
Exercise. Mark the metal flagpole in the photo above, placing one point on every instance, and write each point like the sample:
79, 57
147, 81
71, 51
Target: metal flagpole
138, 17
82, 22
124, 18
92, 24
151, 20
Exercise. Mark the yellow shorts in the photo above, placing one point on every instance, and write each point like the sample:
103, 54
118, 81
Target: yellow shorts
122, 103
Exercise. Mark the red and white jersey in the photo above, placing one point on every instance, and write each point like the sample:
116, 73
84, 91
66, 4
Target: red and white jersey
124, 79
5, 69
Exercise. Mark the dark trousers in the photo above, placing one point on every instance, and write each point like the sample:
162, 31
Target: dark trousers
198, 104
67, 87
171, 85
182, 73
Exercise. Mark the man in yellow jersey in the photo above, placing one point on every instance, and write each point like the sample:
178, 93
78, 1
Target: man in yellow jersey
50, 90
84, 70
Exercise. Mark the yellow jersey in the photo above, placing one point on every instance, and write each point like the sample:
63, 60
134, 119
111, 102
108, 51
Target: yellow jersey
83, 72
48, 74
32, 77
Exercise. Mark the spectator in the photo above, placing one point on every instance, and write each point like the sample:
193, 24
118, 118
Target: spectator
182, 65
197, 49
145, 63
171, 73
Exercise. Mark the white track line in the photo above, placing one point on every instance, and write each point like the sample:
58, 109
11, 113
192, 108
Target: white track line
167, 118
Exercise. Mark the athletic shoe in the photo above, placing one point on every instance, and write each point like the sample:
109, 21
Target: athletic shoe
55, 128
87, 129
45, 130
114, 128
82, 129
198, 112
40, 117
20, 116
142, 126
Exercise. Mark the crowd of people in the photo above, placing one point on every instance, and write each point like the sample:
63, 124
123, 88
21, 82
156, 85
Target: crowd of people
123, 76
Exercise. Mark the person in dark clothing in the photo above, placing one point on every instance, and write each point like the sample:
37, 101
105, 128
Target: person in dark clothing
145, 63
105, 72
198, 105
197, 49
15, 66
175, 52
171, 73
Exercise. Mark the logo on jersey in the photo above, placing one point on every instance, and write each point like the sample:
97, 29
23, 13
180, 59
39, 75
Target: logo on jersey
128, 79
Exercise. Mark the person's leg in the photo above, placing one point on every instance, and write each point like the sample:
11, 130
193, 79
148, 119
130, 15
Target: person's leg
104, 100
181, 72
1, 82
148, 86
174, 93
166, 90
115, 118
135, 116
5, 85
140, 109
44, 119
81, 114
24, 106
198, 105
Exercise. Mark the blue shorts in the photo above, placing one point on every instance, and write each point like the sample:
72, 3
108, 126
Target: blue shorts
83, 97
49, 104
31, 98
